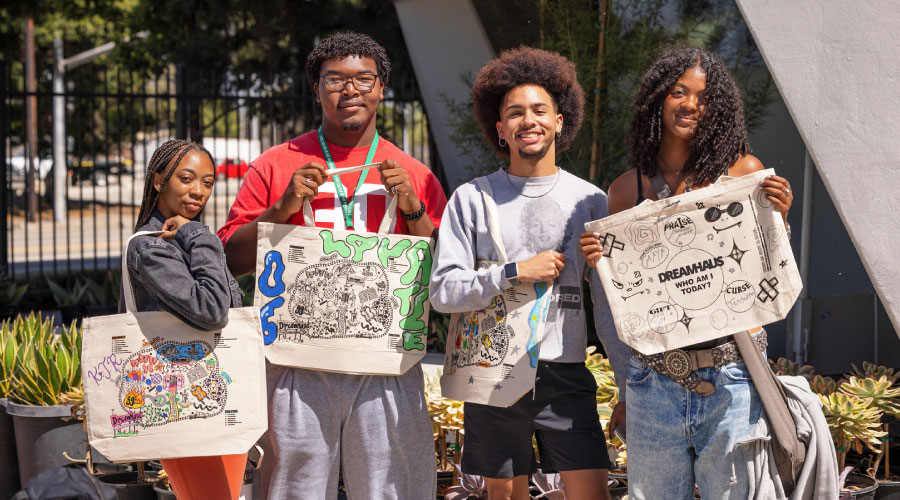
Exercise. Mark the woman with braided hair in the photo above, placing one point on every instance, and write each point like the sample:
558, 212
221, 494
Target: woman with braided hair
687, 131
180, 268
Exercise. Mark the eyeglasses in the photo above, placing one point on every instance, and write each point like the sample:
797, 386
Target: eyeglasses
364, 82
713, 213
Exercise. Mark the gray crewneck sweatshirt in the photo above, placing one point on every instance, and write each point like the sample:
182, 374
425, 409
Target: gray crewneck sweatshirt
536, 214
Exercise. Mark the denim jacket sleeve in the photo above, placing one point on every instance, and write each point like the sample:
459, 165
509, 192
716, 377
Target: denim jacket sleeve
196, 289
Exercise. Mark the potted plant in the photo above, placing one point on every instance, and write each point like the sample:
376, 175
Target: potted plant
447, 427
103, 297
9, 465
10, 296
69, 301
854, 423
885, 397
47, 363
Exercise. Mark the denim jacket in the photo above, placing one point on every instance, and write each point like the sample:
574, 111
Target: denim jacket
185, 276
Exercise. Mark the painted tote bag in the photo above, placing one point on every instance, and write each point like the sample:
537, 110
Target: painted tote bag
155, 387
697, 266
492, 354
343, 301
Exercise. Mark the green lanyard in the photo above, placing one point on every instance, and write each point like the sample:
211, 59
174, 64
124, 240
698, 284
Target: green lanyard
347, 203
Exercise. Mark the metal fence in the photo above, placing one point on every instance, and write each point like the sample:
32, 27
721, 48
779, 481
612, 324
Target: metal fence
113, 121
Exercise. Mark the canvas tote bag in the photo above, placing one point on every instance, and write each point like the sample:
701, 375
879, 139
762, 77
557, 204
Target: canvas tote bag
492, 354
155, 387
697, 266
343, 301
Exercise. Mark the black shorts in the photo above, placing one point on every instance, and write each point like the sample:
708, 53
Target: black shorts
562, 415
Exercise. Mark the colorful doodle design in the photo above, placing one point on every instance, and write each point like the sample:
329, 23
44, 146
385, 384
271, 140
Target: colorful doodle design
536, 318
483, 338
167, 382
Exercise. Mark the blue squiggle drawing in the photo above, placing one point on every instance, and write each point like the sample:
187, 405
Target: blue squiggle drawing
537, 316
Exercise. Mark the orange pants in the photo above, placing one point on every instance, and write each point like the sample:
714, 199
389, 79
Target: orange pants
206, 478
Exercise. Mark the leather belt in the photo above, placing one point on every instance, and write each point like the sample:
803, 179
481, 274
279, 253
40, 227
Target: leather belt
681, 364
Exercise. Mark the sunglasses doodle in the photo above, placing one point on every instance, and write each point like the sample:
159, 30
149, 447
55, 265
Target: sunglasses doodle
166, 382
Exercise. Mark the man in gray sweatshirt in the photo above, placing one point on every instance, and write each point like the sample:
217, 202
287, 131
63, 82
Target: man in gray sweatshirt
530, 105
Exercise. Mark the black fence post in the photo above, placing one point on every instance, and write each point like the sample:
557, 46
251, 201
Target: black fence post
182, 103
4, 170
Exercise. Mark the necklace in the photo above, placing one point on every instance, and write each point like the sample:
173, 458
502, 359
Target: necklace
545, 193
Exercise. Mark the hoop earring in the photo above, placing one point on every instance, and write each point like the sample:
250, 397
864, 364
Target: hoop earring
502, 142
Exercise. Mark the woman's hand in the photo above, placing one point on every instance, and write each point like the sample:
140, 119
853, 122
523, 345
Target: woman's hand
778, 191
171, 226
591, 248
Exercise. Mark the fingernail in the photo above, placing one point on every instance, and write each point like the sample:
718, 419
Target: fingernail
597, 235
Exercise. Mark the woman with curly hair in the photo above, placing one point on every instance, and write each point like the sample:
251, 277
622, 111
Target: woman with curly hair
688, 130
530, 106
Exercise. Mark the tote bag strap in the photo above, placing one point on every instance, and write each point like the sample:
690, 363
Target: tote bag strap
788, 450
390, 213
493, 219
126, 276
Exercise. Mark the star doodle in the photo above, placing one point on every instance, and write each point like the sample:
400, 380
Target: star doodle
658, 293
497, 386
650, 279
721, 244
730, 269
736, 253
783, 264
471, 380
710, 236
515, 350
514, 314
686, 320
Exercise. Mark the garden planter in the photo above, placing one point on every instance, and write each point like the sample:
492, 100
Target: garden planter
889, 490
162, 491
72, 313
860, 487
9, 464
42, 436
129, 487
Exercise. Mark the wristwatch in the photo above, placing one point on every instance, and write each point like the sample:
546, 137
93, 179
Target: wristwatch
511, 273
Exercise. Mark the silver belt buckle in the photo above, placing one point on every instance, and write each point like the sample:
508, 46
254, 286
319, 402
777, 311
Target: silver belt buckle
677, 363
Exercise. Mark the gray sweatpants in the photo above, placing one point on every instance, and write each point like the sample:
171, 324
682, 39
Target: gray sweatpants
375, 429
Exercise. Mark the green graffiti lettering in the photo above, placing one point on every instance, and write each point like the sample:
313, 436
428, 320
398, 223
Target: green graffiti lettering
361, 244
413, 341
330, 246
385, 252
416, 264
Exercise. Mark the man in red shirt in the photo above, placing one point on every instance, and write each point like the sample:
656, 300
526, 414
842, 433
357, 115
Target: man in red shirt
380, 421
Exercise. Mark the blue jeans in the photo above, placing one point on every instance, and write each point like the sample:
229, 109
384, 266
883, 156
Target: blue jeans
677, 438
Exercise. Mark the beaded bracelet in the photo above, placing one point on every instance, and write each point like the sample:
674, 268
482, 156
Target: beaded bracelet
416, 215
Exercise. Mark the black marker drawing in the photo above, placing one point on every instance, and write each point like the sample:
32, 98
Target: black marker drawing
736, 253
767, 290
610, 244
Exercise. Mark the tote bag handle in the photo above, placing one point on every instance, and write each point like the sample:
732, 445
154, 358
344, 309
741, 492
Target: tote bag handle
493, 219
390, 214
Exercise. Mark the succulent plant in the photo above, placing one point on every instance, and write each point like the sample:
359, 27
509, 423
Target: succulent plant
784, 366
871, 370
823, 385
853, 422
47, 363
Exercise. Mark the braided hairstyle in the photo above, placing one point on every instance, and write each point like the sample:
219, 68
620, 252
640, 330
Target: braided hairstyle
720, 137
167, 156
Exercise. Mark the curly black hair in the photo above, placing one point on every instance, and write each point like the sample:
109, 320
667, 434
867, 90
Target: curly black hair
521, 66
346, 44
167, 156
720, 137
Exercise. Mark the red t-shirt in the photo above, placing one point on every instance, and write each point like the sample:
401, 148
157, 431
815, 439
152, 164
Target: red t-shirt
270, 174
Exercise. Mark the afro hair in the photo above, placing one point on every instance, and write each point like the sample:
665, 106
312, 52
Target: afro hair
528, 66
346, 44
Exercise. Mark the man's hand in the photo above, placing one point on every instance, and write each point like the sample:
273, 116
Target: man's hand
591, 248
303, 184
544, 266
171, 226
397, 182
617, 418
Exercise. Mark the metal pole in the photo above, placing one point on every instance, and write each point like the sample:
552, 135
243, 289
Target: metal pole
59, 133
4, 184
802, 308
181, 102
30, 122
